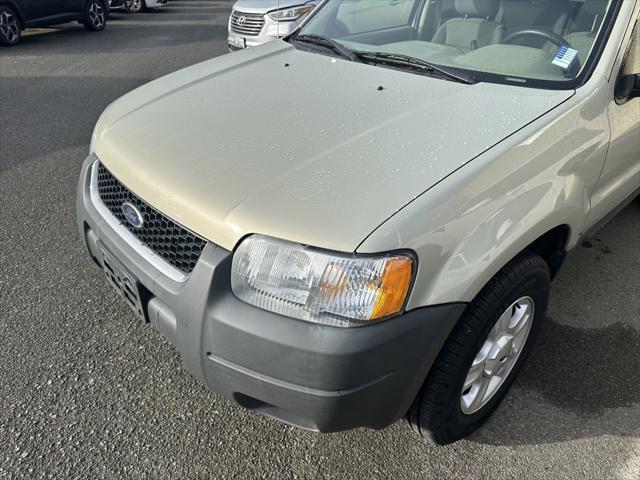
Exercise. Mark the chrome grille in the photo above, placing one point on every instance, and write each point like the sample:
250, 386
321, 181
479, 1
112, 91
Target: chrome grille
247, 23
172, 242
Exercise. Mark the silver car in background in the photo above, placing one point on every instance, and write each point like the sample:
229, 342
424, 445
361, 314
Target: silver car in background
254, 22
136, 6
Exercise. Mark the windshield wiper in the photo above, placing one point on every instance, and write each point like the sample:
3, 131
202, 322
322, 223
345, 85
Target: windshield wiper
411, 63
327, 43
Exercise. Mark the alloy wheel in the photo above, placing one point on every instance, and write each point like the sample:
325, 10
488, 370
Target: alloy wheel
497, 356
134, 5
96, 15
9, 27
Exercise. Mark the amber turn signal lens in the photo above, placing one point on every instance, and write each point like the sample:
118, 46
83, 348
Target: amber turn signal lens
396, 280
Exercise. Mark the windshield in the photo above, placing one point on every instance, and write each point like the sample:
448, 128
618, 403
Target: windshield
547, 43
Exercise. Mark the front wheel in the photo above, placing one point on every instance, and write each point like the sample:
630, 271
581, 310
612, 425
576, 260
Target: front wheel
10, 31
134, 6
95, 17
484, 352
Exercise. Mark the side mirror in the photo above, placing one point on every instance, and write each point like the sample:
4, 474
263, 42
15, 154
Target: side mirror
628, 86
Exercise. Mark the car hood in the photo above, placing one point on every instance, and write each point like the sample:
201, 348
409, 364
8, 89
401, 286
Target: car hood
298, 145
262, 6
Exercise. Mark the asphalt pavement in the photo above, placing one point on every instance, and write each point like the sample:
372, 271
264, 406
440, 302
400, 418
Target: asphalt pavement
88, 392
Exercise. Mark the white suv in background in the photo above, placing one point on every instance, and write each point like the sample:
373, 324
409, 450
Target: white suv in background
254, 22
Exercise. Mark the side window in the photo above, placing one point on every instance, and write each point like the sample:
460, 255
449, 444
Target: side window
360, 16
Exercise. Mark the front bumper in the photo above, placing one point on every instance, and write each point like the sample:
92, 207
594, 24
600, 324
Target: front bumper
312, 376
155, 3
114, 4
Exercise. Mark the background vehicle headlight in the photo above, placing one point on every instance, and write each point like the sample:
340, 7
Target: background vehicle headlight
291, 14
317, 286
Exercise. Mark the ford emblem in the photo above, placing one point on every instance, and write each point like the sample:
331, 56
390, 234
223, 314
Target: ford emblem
133, 215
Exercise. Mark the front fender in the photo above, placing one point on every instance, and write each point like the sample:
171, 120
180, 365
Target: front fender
471, 224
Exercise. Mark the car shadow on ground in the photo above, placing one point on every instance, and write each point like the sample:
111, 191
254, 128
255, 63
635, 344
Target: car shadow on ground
577, 380
573, 392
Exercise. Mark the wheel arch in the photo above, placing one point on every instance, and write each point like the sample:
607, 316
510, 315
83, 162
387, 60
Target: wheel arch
21, 16
105, 3
552, 247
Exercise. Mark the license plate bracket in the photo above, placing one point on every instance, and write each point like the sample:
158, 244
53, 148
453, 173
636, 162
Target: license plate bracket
123, 282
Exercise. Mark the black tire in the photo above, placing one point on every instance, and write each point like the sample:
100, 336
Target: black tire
10, 30
437, 412
135, 6
95, 16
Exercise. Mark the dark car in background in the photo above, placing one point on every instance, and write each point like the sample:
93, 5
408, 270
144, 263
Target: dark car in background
16, 15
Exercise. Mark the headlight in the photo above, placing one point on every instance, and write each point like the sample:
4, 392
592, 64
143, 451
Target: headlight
317, 286
290, 14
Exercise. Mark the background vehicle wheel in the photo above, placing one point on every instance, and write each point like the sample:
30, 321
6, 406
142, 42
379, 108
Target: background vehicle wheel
10, 31
484, 352
134, 6
95, 16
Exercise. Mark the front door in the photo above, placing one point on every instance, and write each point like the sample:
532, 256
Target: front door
621, 174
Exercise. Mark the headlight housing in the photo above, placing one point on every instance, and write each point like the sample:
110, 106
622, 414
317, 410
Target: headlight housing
291, 14
317, 286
